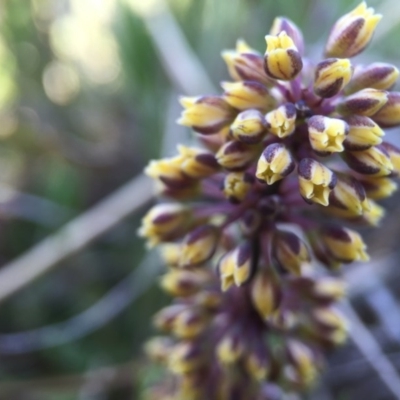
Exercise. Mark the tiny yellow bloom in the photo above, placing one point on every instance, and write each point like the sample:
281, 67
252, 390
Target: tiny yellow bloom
249, 127
363, 133
237, 185
389, 114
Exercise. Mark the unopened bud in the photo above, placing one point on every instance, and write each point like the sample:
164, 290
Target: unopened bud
257, 363
394, 155
197, 163
327, 134
328, 289
185, 357
282, 121
374, 161
189, 323
266, 292
237, 266
158, 348
206, 114
344, 244
251, 222
170, 253
282, 59
168, 171
247, 94
275, 163
330, 324
237, 185
373, 216
352, 32
230, 348
249, 127
366, 102
316, 181
290, 252
245, 64
331, 76
164, 222
379, 188
304, 365
389, 114
199, 246
235, 156
183, 283
164, 319
363, 133
378, 75
349, 195
292, 30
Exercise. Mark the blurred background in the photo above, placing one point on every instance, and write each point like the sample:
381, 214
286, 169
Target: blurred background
88, 94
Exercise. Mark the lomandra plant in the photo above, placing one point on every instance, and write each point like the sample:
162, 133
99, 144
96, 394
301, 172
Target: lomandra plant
290, 155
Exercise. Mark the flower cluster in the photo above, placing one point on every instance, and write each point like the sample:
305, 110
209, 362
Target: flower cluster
292, 154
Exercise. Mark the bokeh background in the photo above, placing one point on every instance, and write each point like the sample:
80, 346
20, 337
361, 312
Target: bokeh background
88, 94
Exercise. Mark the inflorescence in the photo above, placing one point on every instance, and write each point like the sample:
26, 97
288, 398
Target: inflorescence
291, 151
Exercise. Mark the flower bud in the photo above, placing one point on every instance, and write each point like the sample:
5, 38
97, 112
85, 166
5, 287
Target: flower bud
331, 76
168, 171
206, 114
389, 114
275, 163
183, 283
245, 64
164, 222
236, 186
378, 188
230, 348
304, 366
378, 75
249, 127
282, 121
257, 363
344, 244
349, 195
235, 156
328, 289
164, 319
266, 292
189, 323
327, 134
374, 161
290, 252
330, 324
373, 216
285, 24
237, 266
199, 246
185, 357
363, 133
158, 348
247, 94
352, 32
316, 181
366, 102
209, 299
394, 155
282, 59
170, 253
197, 163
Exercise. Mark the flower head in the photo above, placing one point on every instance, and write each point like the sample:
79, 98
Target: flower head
284, 148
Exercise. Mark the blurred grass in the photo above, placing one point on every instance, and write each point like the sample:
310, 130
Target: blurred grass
73, 152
